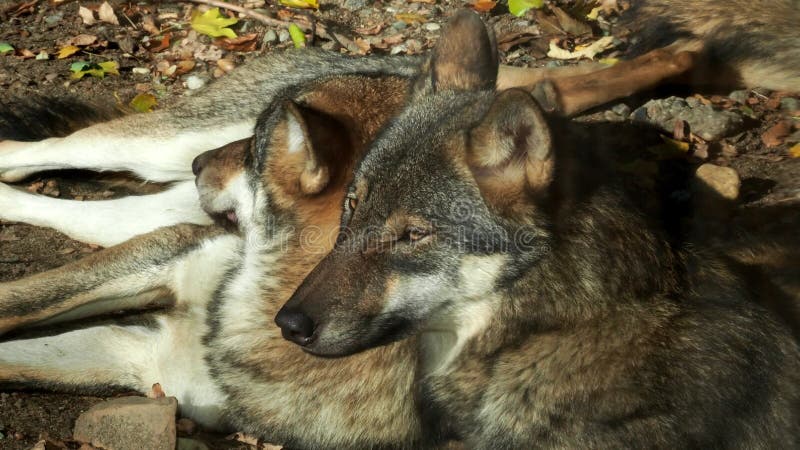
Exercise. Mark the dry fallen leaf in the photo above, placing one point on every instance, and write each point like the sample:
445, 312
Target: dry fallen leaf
155, 45
589, 51
570, 24
483, 5
87, 15
794, 152
410, 18
106, 14
244, 43
369, 31
81, 40
144, 102
301, 4
69, 50
777, 134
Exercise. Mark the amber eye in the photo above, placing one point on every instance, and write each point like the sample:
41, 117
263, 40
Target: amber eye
414, 234
352, 203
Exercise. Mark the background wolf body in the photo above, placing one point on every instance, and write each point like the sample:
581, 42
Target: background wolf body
216, 348
706, 44
554, 314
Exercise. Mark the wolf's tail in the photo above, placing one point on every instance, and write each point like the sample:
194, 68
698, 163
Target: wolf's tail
759, 40
35, 118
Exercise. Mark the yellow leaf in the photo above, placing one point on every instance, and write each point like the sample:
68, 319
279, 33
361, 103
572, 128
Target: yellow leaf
297, 35
67, 51
593, 13
410, 18
794, 152
213, 23
302, 4
81, 68
143, 102
608, 61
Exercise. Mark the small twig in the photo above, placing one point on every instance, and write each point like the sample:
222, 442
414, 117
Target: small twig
249, 12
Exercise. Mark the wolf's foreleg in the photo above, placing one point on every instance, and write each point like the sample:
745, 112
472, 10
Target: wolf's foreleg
150, 268
155, 147
105, 222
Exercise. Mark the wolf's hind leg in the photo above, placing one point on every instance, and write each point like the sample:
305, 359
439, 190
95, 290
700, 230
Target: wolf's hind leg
571, 95
131, 275
105, 222
154, 146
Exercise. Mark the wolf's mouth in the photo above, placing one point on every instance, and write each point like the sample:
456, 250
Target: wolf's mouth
227, 219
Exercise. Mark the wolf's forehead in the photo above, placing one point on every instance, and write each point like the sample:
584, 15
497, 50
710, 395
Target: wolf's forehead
415, 136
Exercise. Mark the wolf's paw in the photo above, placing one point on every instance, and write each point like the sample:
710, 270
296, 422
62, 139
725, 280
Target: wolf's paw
11, 169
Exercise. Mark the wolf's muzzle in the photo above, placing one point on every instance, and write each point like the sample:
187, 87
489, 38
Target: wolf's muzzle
295, 326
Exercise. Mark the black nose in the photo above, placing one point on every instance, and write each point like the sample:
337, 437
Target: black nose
200, 161
295, 326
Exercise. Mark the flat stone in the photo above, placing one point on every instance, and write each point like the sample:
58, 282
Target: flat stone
740, 96
705, 121
724, 181
129, 423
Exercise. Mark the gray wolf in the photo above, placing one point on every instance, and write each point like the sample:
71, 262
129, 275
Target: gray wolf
213, 344
549, 311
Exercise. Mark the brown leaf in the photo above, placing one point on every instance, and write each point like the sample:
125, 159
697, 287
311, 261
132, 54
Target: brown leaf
369, 31
514, 38
81, 40
184, 66
155, 45
244, 43
777, 134
483, 5
363, 45
570, 24
681, 130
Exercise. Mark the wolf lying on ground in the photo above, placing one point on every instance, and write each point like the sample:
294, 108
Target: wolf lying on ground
216, 348
549, 311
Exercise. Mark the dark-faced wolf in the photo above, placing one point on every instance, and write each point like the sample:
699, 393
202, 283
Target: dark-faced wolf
549, 311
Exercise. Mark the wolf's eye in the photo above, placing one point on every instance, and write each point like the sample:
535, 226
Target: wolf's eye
415, 234
350, 203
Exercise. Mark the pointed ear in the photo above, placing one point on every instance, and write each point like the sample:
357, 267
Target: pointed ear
511, 151
309, 152
465, 58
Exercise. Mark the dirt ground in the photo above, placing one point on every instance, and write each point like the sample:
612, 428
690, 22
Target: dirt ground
768, 206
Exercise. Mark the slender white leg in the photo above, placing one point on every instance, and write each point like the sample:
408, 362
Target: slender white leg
127, 144
105, 222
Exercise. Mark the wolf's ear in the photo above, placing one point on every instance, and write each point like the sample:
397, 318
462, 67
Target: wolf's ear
465, 58
308, 152
511, 151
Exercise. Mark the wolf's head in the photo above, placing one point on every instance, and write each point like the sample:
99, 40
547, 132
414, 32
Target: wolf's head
295, 169
445, 207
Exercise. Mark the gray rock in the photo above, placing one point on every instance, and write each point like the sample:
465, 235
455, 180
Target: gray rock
54, 19
270, 37
194, 82
283, 36
790, 104
432, 26
724, 181
129, 423
354, 5
740, 96
704, 121
399, 25
553, 64
622, 109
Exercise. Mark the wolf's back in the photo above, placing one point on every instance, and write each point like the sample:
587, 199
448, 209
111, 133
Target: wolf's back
760, 40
